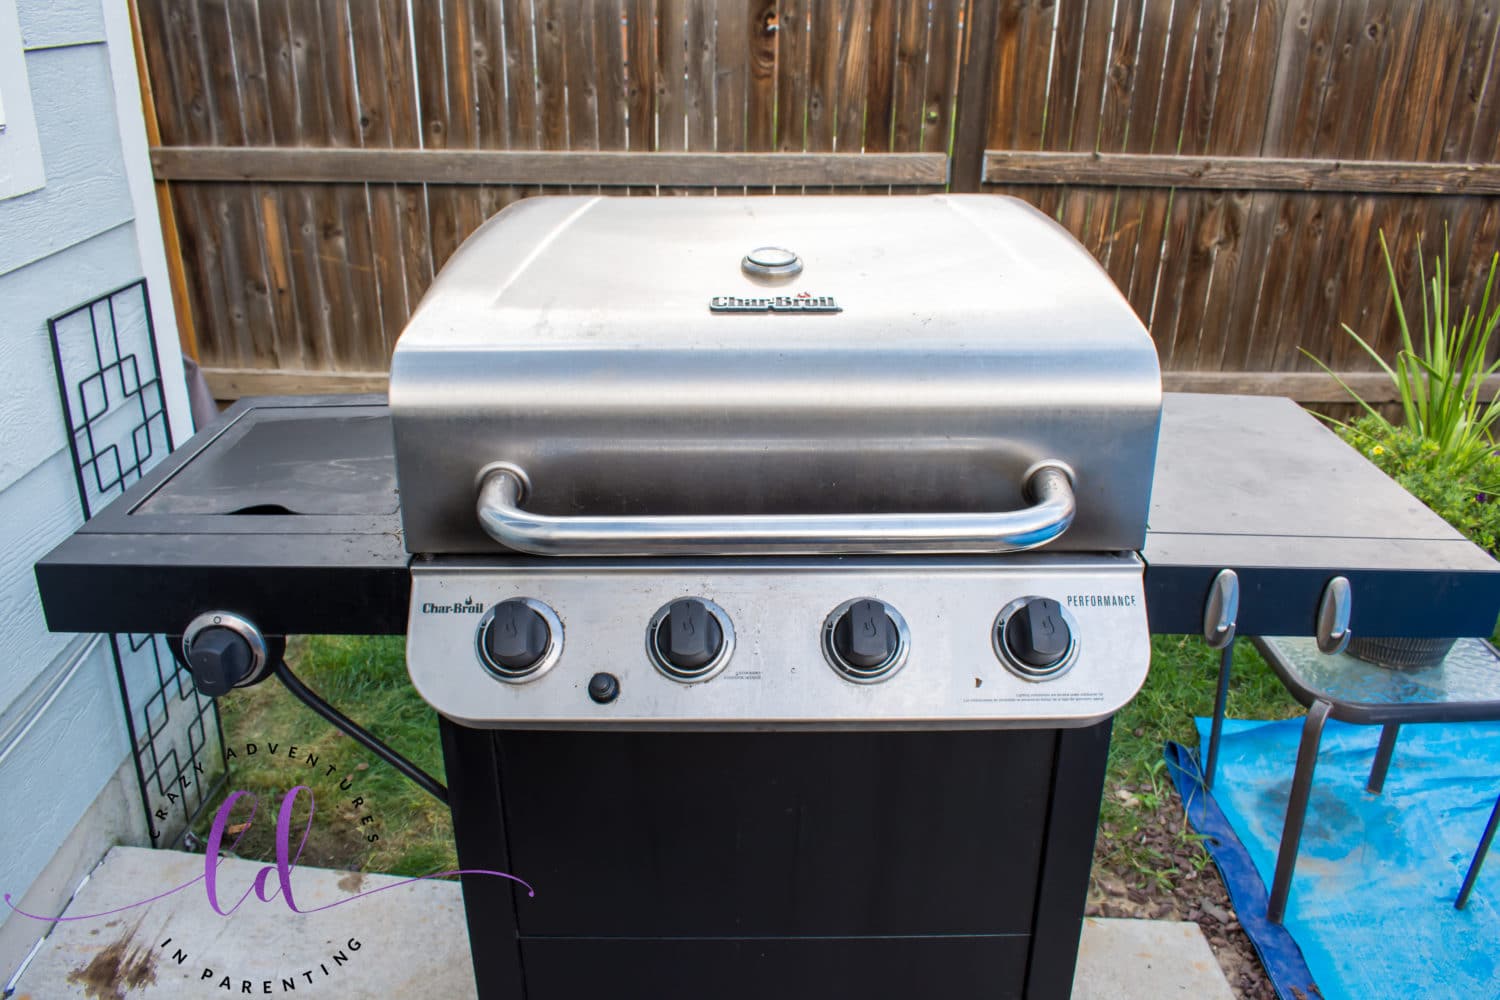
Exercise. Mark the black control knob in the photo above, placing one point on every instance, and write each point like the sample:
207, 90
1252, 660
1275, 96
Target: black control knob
689, 637
517, 637
1037, 635
219, 658
865, 636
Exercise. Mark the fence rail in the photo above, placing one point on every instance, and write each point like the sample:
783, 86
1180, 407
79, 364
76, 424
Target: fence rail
509, 166
1230, 164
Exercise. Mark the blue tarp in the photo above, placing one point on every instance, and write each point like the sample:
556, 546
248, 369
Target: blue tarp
1371, 904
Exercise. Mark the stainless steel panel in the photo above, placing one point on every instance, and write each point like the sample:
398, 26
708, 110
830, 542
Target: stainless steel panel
573, 337
777, 676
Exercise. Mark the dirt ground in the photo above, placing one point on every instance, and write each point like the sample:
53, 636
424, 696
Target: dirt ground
1192, 892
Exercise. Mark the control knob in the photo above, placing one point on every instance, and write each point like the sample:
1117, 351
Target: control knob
224, 651
519, 639
1035, 637
690, 639
865, 640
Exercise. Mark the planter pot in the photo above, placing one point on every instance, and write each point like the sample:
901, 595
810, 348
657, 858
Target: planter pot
1400, 654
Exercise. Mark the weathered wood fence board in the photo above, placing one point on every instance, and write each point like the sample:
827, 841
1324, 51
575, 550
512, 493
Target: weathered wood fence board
592, 169
1231, 163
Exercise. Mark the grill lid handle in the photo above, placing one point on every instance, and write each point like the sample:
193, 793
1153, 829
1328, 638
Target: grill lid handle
503, 487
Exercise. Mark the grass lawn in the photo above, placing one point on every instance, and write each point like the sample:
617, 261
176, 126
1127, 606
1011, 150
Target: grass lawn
366, 679
1181, 684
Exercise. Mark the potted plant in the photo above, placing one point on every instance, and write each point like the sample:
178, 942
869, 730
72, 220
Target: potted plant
1443, 451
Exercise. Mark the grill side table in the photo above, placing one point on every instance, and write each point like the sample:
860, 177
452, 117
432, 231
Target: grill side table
1465, 687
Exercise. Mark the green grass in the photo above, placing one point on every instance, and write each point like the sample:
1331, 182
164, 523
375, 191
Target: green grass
1181, 684
366, 679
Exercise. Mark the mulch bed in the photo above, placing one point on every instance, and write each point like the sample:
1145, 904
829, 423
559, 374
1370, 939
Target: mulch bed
1189, 893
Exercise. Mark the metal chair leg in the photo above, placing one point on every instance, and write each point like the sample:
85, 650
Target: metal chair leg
1478, 862
1296, 808
1221, 700
1383, 753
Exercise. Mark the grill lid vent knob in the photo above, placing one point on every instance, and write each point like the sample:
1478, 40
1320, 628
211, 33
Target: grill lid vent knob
518, 637
771, 262
1038, 635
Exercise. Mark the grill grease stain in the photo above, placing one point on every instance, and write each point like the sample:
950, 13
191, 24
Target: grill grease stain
116, 970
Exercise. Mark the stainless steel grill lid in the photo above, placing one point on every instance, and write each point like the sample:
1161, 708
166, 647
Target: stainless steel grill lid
789, 374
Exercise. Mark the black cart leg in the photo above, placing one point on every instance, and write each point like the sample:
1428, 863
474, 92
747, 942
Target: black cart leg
1479, 853
1221, 702
1383, 757
1296, 808
1062, 892
489, 902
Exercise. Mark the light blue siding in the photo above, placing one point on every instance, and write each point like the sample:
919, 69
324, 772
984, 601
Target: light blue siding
31, 423
36, 513
52, 23
86, 191
53, 773
71, 241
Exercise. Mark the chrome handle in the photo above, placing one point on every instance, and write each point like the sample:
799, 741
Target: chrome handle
503, 488
1333, 616
1222, 610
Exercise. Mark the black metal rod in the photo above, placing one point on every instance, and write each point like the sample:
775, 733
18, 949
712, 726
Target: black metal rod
1221, 702
1383, 753
1296, 809
306, 695
1478, 862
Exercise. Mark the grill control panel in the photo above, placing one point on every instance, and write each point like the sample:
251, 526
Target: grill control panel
889, 643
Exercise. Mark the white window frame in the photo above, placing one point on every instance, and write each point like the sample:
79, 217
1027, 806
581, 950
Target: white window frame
20, 148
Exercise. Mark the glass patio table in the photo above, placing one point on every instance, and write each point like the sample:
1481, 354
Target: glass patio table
1464, 687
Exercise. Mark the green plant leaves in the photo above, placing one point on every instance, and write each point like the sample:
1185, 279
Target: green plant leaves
1439, 384
1460, 496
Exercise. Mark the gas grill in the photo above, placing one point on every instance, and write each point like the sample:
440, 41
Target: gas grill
751, 530
846, 489
775, 567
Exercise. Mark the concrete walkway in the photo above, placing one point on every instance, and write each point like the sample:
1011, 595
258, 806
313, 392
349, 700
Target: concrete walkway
405, 940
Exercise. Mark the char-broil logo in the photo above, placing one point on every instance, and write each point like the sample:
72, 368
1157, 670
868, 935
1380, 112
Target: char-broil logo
802, 302
128, 965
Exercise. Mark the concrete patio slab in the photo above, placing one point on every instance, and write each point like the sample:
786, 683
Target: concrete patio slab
1136, 959
403, 940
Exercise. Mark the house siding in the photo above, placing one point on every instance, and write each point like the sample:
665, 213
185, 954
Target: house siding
62, 729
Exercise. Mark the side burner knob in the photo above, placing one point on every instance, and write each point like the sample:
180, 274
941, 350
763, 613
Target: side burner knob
1036, 637
224, 651
219, 660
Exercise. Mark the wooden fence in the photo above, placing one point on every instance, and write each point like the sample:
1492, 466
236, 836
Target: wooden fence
1230, 162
